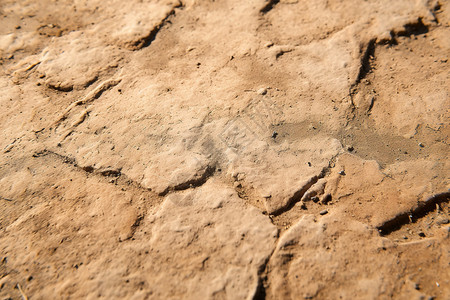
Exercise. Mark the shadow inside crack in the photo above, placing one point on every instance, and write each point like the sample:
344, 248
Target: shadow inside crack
421, 211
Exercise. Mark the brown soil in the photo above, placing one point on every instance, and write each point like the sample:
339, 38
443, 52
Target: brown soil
201, 149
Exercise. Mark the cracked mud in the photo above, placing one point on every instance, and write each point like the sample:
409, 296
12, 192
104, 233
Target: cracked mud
196, 149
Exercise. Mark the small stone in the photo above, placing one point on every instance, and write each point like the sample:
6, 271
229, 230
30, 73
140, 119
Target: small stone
421, 234
350, 148
315, 199
323, 212
421, 145
262, 91
274, 134
342, 172
237, 184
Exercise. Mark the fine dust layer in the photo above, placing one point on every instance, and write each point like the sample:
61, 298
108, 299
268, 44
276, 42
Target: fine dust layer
196, 149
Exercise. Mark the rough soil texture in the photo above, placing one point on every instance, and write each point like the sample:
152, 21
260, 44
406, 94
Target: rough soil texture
201, 149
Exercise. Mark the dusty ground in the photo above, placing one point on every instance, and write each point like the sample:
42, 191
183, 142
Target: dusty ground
201, 149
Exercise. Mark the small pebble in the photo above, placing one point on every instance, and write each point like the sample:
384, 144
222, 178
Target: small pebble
421, 145
274, 134
262, 91
326, 199
323, 212
342, 172
421, 234
350, 148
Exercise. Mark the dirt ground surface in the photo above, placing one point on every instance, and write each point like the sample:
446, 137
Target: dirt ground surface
224, 149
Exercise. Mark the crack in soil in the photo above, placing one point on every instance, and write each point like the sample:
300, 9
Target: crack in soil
260, 293
366, 66
269, 6
91, 96
364, 69
192, 183
134, 227
147, 40
421, 210
88, 169
298, 195
116, 174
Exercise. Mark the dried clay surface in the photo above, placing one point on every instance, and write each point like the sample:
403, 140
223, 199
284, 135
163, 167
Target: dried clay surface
224, 149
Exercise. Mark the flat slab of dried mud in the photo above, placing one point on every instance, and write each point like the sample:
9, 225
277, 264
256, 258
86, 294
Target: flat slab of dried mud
200, 149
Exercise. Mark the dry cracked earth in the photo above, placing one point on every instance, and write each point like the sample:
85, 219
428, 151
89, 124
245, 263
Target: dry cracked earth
201, 149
